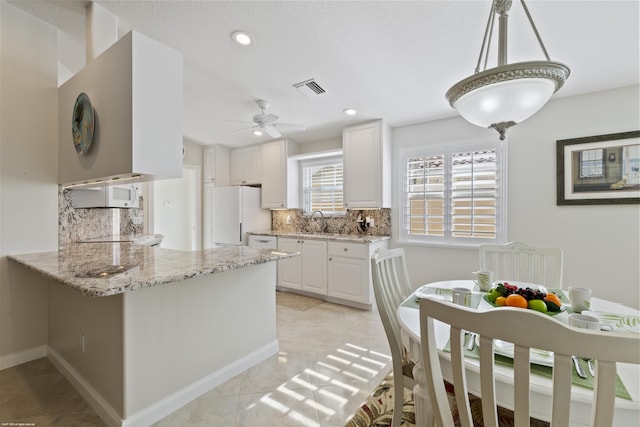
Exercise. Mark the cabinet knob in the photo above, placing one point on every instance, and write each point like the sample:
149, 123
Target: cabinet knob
330, 259
345, 249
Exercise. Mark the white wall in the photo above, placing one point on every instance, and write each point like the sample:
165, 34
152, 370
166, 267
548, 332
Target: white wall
601, 243
28, 176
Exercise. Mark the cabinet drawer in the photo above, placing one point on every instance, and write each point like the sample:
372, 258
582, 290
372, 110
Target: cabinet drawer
263, 242
353, 250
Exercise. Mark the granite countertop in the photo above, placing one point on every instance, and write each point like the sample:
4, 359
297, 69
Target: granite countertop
356, 238
103, 269
130, 238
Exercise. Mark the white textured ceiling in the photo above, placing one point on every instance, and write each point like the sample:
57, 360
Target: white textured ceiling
388, 59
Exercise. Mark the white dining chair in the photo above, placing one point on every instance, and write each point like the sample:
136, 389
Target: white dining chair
521, 262
526, 329
391, 287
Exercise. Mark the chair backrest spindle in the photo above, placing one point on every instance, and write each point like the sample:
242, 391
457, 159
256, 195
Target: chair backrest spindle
520, 262
391, 287
514, 325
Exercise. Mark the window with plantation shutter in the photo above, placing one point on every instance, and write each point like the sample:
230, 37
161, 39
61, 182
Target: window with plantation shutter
322, 186
454, 194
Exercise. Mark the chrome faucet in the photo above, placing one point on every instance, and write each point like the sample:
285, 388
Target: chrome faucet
322, 217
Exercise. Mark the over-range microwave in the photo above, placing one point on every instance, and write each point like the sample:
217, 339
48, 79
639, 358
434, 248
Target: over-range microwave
110, 196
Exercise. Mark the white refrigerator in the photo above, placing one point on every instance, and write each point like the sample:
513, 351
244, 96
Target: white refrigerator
235, 211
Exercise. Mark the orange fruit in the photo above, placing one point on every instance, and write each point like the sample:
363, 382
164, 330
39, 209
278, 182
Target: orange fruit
501, 301
515, 300
553, 298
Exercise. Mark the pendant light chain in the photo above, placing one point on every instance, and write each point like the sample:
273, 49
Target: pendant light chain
535, 30
486, 40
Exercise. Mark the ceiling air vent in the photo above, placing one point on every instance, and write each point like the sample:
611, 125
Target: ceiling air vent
310, 88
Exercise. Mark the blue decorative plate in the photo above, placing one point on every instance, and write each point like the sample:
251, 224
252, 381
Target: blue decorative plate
82, 124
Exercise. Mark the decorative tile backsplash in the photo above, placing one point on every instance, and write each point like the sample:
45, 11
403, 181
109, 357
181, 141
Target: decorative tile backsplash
293, 220
80, 224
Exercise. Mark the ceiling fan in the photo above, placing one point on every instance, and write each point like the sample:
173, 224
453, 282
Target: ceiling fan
264, 122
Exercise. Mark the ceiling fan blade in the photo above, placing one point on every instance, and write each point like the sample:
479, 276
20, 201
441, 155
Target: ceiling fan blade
289, 126
244, 129
272, 131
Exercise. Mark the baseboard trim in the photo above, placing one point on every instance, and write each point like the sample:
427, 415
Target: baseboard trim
20, 357
108, 414
177, 400
166, 406
327, 298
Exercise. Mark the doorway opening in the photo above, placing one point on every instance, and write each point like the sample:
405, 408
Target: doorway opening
176, 209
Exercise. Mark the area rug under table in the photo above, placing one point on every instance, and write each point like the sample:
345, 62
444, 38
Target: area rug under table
377, 411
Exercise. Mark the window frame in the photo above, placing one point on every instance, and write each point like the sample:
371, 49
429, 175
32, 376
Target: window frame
447, 149
590, 164
319, 161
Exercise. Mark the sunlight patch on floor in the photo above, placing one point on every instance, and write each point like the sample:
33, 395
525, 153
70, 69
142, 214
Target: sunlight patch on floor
341, 368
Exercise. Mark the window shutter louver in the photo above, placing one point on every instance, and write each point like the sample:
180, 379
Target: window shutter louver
322, 186
454, 193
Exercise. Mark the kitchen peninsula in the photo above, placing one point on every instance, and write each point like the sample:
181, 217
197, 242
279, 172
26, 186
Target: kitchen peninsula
141, 331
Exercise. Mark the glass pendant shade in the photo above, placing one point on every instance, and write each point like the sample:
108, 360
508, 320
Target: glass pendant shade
507, 94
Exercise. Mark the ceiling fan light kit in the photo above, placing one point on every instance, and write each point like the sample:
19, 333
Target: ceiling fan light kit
267, 123
507, 94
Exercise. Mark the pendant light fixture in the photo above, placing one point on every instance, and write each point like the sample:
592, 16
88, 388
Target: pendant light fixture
507, 94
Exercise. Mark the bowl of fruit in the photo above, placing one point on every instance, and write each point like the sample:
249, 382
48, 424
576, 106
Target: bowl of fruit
538, 299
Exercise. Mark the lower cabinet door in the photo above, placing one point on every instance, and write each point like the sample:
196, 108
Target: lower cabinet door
313, 260
348, 279
289, 268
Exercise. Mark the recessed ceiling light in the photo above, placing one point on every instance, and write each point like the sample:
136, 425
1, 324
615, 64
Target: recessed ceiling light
350, 111
257, 133
241, 38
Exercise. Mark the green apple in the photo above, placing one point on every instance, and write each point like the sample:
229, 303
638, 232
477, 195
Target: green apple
538, 305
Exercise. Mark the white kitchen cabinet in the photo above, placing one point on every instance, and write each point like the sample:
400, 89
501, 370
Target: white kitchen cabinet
313, 264
280, 188
308, 272
367, 166
289, 268
216, 169
263, 242
246, 165
336, 271
349, 271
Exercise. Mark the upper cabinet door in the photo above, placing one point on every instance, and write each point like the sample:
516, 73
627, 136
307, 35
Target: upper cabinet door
216, 165
280, 185
367, 166
246, 165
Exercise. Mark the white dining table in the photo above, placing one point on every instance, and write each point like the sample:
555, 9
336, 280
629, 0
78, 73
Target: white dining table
627, 412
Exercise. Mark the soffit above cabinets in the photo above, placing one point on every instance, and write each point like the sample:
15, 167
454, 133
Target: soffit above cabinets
135, 88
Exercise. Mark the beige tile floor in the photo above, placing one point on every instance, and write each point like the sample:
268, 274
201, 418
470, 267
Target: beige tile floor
330, 359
